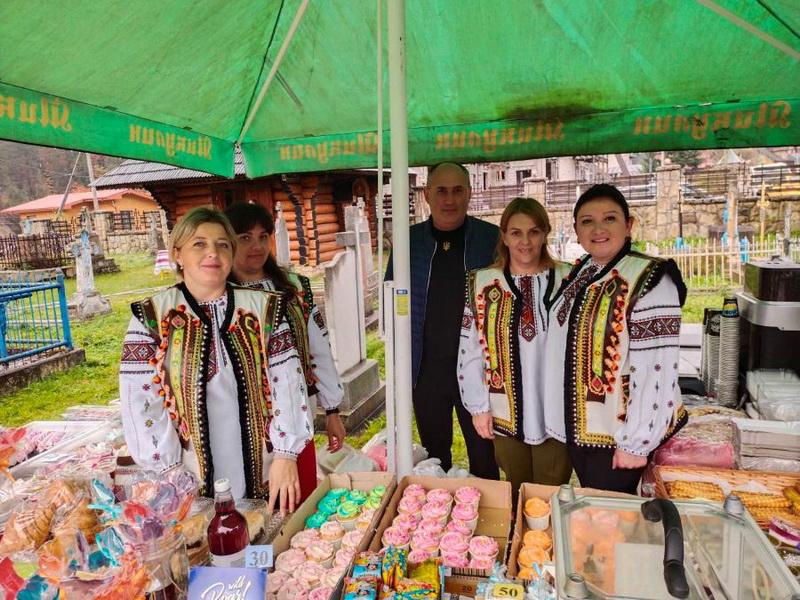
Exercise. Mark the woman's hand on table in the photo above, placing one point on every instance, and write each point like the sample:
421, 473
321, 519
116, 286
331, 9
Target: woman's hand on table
284, 484
626, 460
483, 425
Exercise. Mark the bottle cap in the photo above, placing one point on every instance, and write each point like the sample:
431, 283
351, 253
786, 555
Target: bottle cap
222, 485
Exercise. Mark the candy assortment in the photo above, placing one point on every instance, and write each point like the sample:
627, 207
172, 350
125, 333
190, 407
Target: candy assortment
390, 574
320, 554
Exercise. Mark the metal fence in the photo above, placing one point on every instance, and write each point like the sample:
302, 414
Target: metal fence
34, 320
45, 251
710, 264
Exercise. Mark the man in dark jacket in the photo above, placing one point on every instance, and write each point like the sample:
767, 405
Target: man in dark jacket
442, 249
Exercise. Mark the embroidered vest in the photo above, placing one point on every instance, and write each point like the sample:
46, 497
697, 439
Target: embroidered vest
182, 361
497, 307
595, 307
298, 312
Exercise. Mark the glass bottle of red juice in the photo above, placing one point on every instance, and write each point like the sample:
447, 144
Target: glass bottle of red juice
227, 531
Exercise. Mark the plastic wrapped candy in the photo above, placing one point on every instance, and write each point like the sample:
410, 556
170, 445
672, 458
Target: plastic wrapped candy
62, 555
104, 501
358, 589
10, 581
128, 584
110, 545
37, 588
393, 566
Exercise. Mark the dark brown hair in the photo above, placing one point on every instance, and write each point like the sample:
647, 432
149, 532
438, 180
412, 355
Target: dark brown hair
537, 212
243, 217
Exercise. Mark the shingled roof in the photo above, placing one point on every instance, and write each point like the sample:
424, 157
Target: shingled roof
138, 172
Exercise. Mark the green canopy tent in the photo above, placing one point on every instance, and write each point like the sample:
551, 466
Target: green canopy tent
293, 83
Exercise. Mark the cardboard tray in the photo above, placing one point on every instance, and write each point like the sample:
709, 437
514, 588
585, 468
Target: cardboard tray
494, 520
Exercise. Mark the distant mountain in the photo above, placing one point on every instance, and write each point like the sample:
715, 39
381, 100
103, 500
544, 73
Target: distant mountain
28, 172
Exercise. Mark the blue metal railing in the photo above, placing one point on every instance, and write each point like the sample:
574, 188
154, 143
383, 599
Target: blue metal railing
34, 319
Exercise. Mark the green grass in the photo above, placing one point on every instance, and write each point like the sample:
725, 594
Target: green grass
96, 380
697, 301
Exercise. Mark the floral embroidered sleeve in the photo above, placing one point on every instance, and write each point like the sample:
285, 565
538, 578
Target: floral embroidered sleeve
149, 433
654, 394
329, 386
471, 378
289, 428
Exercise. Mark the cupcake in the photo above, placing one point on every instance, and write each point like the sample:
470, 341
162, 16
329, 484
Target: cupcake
394, 536
328, 505
342, 558
426, 542
364, 520
332, 532
537, 514
347, 513
466, 513
528, 557
481, 563
337, 493
409, 505
332, 576
440, 495
537, 539
527, 574
432, 525
455, 560
287, 562
373, 502
415, 490
316, 520
275, 581
320, 552
468, 495
436, 510
378, 491
406, 521
454, 543
309, 573
357, 496
416, 557
292, 590
482, 546
302, 539
352, 539
459, 527
320, 593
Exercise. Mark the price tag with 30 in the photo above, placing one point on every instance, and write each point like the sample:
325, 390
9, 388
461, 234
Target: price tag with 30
258, 557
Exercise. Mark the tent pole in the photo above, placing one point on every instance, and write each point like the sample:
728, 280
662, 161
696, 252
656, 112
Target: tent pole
379, 195
274, 69
400, 247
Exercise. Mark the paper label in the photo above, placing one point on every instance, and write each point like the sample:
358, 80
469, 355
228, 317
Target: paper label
401, 302
229, 560
258, 557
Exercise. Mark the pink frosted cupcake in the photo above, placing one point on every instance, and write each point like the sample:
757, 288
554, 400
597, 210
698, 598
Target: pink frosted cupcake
343, 558
415, 490
455, 560
406, 521
466, 513
454, 543
275, 582
468, 495
320, 593
309, 573
332, 532
352, 539
332, 576
426, 542
320, 552
431, 525
409, 505
459, 527
416, 557
287, 562
481, 563
292, 590
302, 539
364, 520
436, 510
440, 495
394, 536
482, 546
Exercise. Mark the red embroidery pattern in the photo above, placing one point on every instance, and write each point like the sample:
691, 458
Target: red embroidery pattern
655, 327
138, 351
527, 321
572, 290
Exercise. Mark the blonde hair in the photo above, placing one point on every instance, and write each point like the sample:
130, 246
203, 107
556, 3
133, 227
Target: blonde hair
537, 212
189, 225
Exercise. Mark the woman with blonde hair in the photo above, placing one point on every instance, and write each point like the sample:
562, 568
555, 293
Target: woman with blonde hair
501, 353
210, 376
